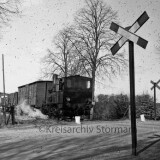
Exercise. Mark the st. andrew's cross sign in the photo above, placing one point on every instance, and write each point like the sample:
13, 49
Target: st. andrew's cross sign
154, 87
128, 34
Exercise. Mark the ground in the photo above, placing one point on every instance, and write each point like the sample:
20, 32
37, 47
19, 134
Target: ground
92, 140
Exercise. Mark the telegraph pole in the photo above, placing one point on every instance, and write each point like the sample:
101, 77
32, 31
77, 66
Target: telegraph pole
4, 99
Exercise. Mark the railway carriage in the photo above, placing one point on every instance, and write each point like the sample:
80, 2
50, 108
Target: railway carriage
34, 93
12, 99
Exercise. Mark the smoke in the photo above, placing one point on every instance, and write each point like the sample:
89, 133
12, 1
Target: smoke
23, 109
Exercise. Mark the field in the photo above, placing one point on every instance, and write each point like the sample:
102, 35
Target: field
92, 140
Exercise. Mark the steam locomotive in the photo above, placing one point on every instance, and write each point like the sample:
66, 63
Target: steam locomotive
69, 96
61, 98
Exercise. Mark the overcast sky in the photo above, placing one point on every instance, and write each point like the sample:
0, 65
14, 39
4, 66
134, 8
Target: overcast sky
25, 41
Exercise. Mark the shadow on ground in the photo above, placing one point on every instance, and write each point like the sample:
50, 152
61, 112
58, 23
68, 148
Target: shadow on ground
89, 147
102, 146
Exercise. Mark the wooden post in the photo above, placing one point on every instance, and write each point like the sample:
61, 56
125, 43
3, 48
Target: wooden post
4, 107
155, 113
155, 84
129, 112
13, 115
132, 97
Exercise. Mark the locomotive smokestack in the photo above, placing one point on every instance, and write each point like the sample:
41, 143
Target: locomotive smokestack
55, 77
55, 81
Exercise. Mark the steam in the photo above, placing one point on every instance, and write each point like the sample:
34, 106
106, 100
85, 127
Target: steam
23, 109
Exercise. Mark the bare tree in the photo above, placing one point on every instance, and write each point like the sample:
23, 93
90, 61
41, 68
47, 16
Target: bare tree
8, 8
65, 61
94, 39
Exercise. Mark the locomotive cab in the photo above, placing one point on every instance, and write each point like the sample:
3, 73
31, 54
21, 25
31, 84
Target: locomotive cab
70, 96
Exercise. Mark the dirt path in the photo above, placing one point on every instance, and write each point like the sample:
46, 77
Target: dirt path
90, 140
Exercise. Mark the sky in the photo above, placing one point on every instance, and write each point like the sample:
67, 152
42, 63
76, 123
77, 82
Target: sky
25, 42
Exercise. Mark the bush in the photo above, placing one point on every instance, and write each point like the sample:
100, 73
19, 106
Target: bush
116, 107
111, 107
145, 105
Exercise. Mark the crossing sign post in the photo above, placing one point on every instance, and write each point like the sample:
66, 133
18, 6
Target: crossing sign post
128, 34
154, 87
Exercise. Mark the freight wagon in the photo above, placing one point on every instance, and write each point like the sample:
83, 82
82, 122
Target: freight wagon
12, 99
35, 93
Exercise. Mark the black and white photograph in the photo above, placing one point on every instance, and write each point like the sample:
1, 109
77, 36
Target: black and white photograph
79, 80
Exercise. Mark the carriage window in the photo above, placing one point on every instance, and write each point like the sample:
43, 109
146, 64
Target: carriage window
68, 83
84, 84
88, 84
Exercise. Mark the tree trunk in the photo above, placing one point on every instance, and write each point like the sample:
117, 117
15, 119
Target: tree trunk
66, 70
93, 93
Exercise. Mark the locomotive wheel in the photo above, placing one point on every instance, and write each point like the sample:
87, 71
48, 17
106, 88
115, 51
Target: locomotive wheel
56, 111
51, 111
44, 109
